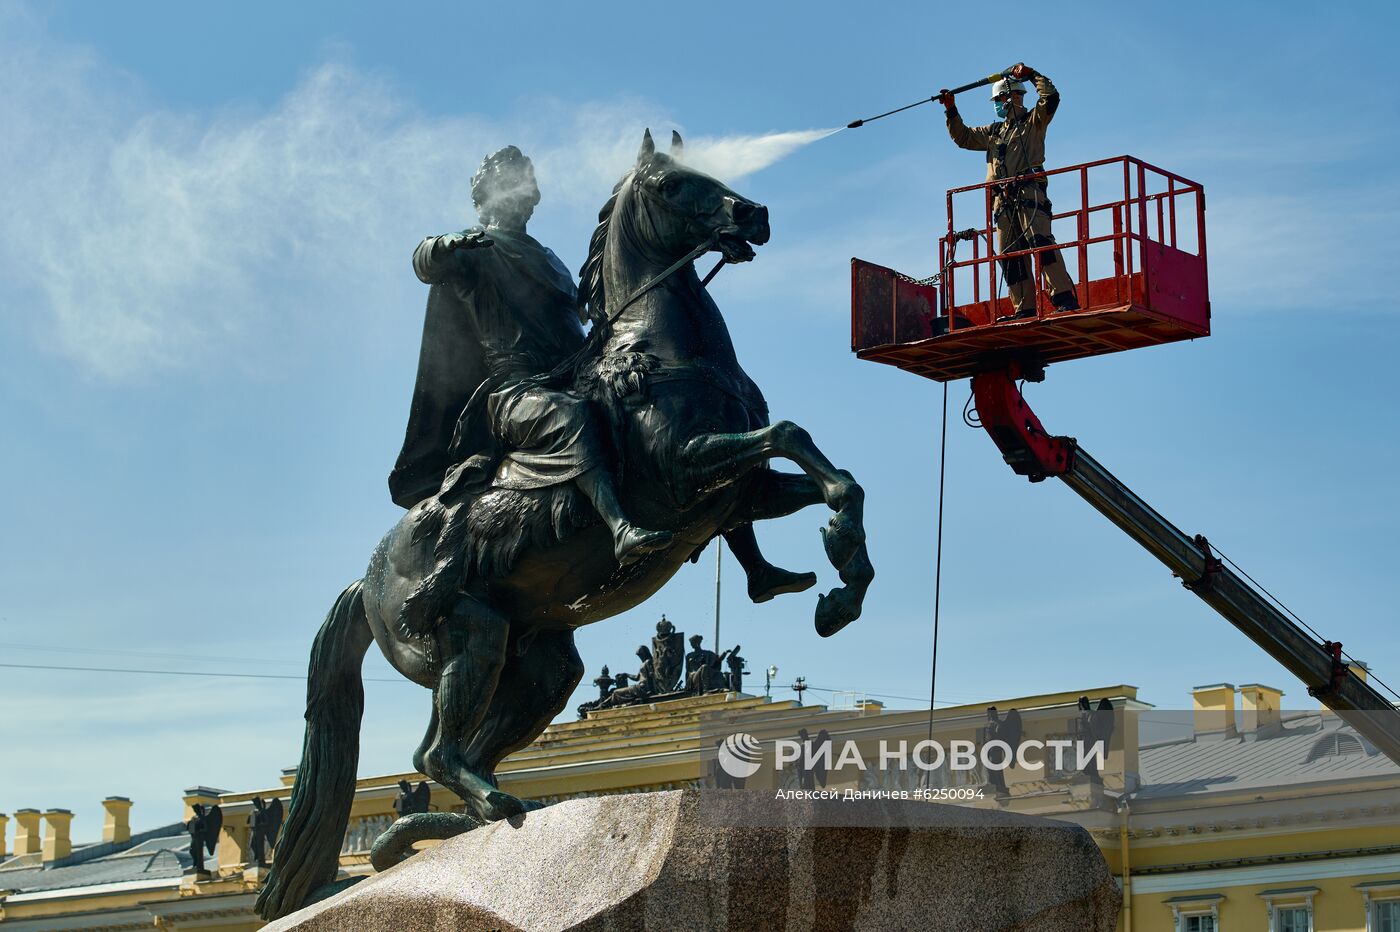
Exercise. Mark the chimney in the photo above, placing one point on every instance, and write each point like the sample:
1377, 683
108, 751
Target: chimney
1261, 705
1213, 711
116, 826
27, 838
4, 824
57, 842
204, 795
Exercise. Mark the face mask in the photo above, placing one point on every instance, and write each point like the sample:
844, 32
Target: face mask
1001, 108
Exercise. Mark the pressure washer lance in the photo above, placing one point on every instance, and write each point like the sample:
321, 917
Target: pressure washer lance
989, 79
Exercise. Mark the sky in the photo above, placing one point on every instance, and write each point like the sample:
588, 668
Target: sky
209, 328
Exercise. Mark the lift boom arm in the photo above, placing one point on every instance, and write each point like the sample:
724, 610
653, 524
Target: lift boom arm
1032, 452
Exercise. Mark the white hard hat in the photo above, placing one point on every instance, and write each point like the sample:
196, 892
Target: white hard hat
1007, 86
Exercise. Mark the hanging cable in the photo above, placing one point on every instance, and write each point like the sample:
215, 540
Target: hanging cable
1370, 675
202, 658
966, 700
969, 414
213, 673
937, 568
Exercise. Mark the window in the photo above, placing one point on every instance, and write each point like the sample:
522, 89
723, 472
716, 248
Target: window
1336, 744
1196, 912
1386, 914
1290, 908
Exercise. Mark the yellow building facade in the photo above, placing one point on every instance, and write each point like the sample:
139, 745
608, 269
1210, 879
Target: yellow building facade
1245, 818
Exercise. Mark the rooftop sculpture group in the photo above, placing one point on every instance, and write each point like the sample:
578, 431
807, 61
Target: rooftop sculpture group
264, 826
553, 479
204, 827
412, 798
659, 678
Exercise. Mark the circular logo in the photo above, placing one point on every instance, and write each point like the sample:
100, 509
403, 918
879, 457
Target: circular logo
740, 755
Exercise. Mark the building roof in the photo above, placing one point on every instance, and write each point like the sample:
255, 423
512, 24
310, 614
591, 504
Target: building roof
1307, 748
160, 858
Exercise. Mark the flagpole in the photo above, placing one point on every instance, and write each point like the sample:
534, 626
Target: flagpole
719, 557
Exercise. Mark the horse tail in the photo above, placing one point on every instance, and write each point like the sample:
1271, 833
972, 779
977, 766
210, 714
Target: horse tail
308, 852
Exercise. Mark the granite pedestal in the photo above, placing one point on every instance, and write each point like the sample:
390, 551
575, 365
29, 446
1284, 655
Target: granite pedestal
683, 860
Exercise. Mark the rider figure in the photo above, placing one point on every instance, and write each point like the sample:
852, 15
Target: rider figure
502, 311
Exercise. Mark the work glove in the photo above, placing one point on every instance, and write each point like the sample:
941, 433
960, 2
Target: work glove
945, 97
1022, 72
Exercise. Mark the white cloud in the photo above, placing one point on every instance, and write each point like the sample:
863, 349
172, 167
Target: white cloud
138, 238
151, 238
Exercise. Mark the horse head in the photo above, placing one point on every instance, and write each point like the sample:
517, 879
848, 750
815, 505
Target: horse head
679, 208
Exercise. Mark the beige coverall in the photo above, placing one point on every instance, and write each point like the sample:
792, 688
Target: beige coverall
1020, 210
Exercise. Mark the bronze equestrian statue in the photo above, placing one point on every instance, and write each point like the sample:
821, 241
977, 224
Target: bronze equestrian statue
476, 592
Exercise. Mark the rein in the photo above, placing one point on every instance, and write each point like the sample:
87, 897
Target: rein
596, 335
655, 280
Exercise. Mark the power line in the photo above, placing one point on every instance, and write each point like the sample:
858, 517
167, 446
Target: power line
251, 676
826, 689
142, 653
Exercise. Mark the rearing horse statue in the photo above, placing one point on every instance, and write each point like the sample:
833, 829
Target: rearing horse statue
693, 444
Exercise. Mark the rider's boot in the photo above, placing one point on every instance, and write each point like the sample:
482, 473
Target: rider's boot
630, 543
771, 581
765, 580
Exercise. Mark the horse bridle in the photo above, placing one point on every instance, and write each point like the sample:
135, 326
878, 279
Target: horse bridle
680, 263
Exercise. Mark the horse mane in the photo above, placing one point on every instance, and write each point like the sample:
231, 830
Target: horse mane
593, 284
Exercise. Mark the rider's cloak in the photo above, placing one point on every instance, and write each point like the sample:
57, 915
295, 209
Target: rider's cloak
495, 315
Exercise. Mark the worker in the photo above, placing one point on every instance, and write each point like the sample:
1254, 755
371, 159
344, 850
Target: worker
1015, 147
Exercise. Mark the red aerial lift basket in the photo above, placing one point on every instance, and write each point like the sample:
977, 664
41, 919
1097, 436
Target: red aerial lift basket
1135, 234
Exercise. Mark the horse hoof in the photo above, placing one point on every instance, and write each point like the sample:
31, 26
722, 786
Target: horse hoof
498, 806
841, 537
835, 610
